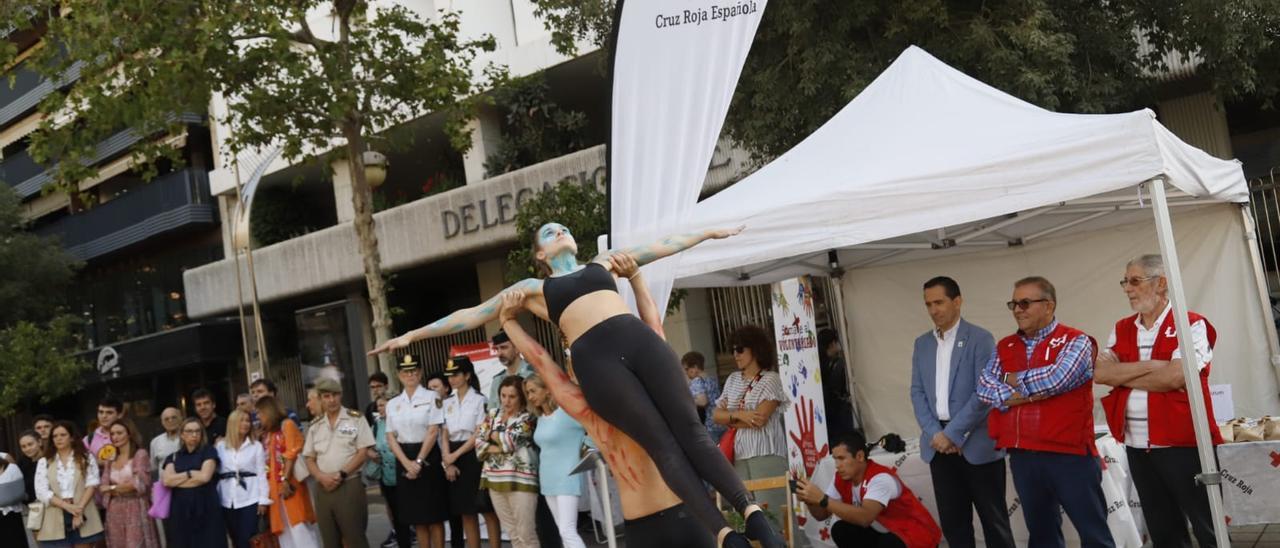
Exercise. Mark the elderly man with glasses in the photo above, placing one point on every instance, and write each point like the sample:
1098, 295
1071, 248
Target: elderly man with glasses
1039, 383
1148, 409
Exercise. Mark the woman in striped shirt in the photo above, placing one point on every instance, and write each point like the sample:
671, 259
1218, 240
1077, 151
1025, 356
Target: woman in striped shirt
752, 403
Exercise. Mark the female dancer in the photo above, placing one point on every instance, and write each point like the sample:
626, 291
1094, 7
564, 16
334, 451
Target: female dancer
654, 514
628, 373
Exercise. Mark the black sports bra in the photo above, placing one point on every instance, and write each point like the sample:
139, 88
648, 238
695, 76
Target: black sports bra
561, 291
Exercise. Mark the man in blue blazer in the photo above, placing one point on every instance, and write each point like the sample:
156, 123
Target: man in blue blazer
968, 472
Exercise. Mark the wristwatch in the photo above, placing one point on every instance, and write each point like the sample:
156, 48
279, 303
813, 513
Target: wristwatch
342, 474
420, 461
825, 499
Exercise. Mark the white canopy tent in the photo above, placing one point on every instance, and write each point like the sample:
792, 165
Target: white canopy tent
928, 166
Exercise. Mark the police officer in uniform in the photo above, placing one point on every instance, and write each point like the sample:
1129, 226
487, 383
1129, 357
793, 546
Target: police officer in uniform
335, 452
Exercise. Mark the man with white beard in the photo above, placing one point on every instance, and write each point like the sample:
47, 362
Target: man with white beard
1148, 409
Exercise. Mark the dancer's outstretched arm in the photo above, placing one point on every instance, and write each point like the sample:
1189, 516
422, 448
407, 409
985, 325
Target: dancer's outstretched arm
671, 245
462, 320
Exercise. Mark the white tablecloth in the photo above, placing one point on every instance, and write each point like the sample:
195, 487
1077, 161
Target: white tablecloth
1250, 481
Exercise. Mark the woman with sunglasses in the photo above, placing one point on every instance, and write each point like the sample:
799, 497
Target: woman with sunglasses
629, 374
752, 403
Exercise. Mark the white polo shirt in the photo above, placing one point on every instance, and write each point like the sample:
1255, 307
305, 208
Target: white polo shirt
408, 417
461, 418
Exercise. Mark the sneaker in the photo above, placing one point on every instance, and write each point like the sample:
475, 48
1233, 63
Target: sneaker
391, 541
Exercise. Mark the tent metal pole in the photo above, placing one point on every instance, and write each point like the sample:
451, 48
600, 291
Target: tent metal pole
1209, 476
1260, 278
838, 292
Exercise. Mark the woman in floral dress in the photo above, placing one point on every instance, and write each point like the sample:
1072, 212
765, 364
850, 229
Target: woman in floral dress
125, 486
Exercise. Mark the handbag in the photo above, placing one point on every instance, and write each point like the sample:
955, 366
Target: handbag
726, 443
13, 492
161, 496
300, 471
265, 539
35, 516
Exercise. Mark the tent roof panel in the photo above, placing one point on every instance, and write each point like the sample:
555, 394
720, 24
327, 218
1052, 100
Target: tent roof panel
925, 147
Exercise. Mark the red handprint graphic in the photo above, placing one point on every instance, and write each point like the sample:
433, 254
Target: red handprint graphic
804, 440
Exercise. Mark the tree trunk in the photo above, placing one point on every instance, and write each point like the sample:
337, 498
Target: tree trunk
361, 201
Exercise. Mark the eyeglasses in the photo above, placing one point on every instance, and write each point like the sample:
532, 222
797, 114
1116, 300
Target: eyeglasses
1134, 281
1024, 303
738, 349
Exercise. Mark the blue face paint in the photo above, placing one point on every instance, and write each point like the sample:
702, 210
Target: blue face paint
564, 261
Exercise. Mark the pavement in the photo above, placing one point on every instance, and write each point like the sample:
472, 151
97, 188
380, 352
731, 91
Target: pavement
1255, 536
1245, 536
380, 526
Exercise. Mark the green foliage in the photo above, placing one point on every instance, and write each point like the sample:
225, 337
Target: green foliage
579, 207
36, 360
276, 217
535, 127
809, 58
36, 272
36, 338
143, 61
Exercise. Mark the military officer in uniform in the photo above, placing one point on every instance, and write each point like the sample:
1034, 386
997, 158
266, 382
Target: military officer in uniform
335, 452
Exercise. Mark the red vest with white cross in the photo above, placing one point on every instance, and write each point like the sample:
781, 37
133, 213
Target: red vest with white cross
1168, 413
904, 516
1059, 424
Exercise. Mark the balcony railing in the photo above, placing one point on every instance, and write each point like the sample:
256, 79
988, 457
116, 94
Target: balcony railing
27, 91
175, 201
27, 177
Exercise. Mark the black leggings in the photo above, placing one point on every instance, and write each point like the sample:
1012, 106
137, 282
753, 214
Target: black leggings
670, 528
633, 380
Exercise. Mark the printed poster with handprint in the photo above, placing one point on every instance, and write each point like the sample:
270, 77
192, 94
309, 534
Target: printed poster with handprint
806, 423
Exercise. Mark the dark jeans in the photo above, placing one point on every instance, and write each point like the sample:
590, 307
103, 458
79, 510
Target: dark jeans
848, 535
242, 524
1047, 482
1170, 496
961, 488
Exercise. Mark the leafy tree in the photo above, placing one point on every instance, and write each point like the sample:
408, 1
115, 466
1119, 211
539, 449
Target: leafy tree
535, 127
36, 335
308, 75
811, 58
